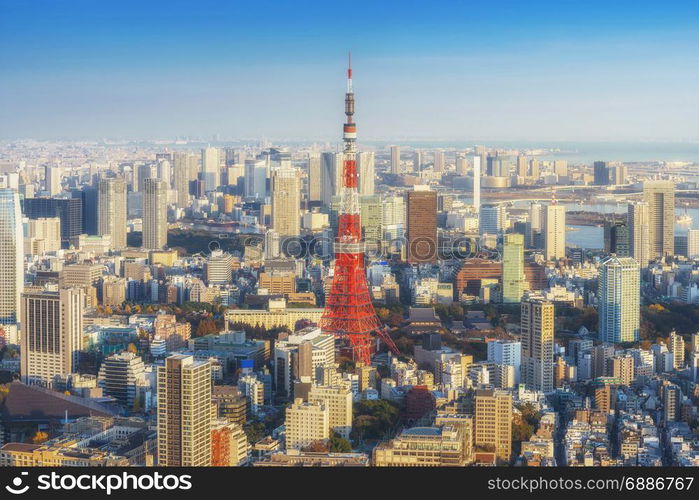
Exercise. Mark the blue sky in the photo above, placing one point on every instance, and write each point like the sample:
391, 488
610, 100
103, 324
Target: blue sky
503, 70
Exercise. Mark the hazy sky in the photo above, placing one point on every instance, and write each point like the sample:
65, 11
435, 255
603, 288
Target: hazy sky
499, 70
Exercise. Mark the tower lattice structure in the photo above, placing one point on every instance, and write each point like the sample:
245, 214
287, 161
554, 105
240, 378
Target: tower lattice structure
349, 313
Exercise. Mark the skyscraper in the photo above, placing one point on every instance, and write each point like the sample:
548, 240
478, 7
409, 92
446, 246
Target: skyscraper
52, 180
492, 219
314, 180
111, 204
554, 231
184, 412
534, 225
52, 332
210, 168
365, 167
619, 300
512, 268
184, 171
395, 160
693, 243
537, 330
601, 173
154, 214
617, 238
255, 179
330, 176
438, 165
476, 184
417, 161
286, 200
11, 257
69, 210
638, 220
422, 226
660, 196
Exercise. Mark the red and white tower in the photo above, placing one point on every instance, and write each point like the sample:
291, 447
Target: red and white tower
349, 313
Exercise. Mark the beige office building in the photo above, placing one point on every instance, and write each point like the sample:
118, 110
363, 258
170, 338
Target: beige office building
425, 447
52, 334
286, 202
306, 423
494, 422
338, 401
111, 210
554, 231
184, 412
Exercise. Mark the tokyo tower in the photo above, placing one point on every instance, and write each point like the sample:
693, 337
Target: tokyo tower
349, 313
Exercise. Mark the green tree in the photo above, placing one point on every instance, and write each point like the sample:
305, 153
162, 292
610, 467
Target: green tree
338, 444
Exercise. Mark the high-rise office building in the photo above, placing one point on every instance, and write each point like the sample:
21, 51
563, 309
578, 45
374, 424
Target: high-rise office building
522, 166
493, 422
417, 161
210, 168
617, 238
286, 202
330, 176
154, 214
660, 196
184, 412
554, 231
11, 257
560, 168
395, 160
120, 377
111, 203
476, 184
372, 219
52, 180
366, 170
693, 243
52, 333
506, 352
512, 268
44, 235
69, 210
492, 218
255, 179
422, 226
88, 201
619, 300
601, 173
537, 330
534, 225
438, 164
638, 221
184, 169
314, 178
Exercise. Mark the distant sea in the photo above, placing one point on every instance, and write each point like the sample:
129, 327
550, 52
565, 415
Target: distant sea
579, 152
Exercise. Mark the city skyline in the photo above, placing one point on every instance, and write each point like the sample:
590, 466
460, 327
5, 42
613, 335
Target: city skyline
443, 71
